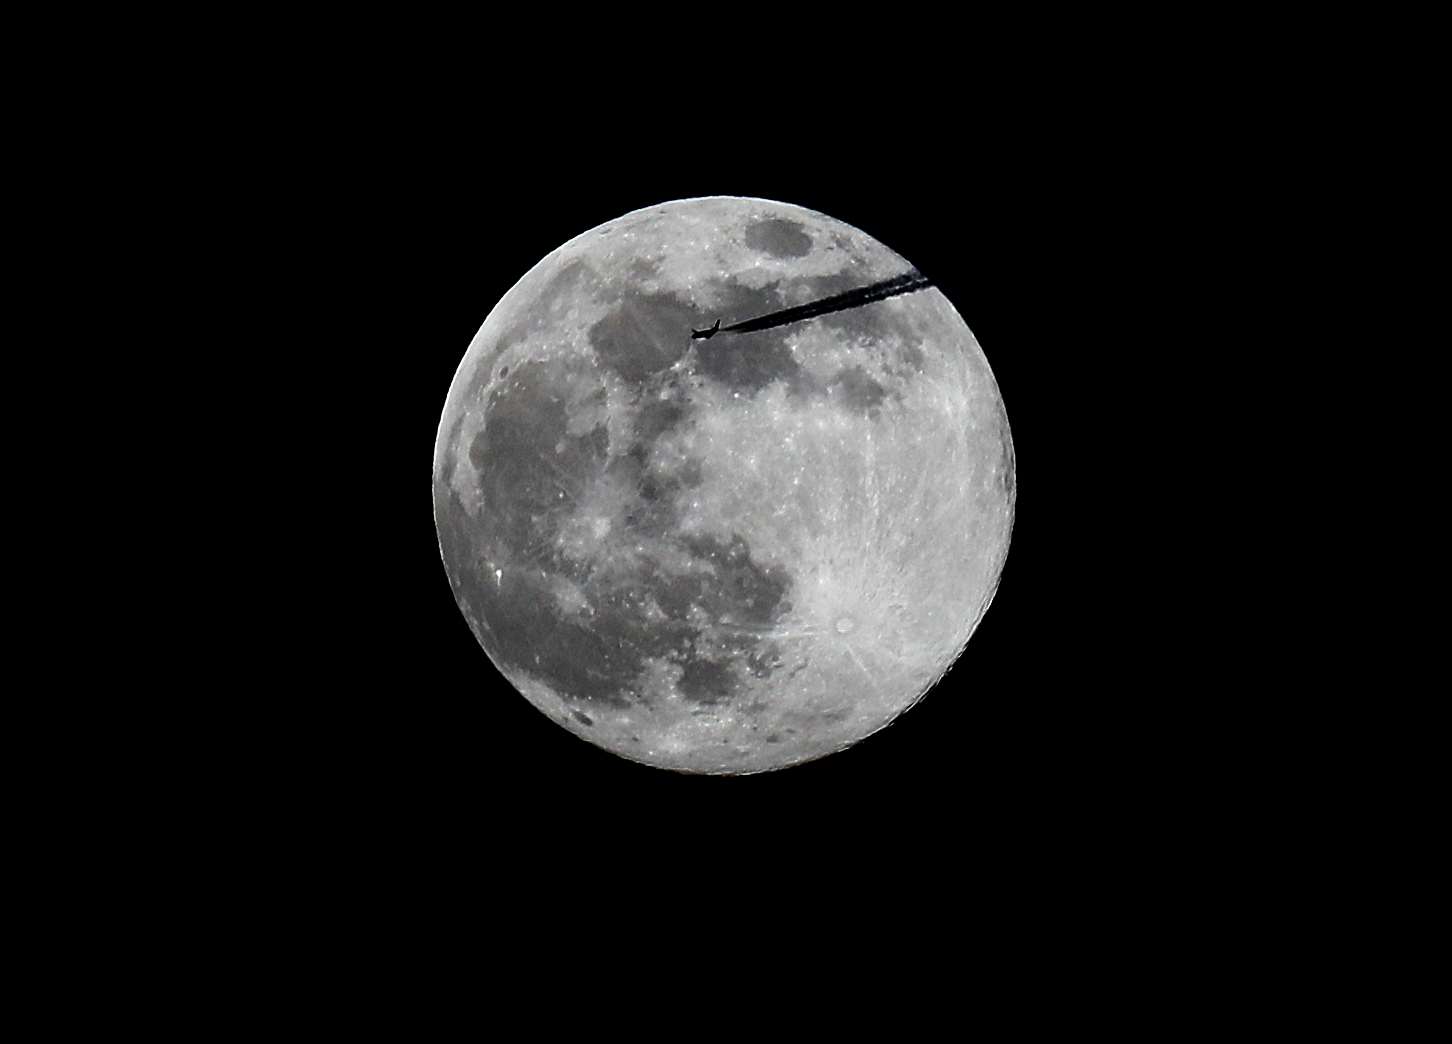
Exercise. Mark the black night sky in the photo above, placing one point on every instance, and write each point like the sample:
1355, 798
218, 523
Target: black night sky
1042, 723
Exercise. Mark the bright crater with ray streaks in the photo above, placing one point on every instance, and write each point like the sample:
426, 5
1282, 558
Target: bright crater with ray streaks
724, 555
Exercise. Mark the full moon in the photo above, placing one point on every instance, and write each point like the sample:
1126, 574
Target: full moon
727, 554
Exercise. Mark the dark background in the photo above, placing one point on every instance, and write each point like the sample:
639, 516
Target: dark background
372, 761
1056, 720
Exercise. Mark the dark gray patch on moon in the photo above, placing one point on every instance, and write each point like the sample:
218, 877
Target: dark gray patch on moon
653, 512
658, 416
642, 336
779, 238
530, 468
748, 362
744, 590
523, 630
706, 681
858, 390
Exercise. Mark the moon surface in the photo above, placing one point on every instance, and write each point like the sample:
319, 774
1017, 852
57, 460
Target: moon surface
733, 554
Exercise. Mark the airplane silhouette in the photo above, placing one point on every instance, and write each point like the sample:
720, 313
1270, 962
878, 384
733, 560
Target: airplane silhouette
706, 334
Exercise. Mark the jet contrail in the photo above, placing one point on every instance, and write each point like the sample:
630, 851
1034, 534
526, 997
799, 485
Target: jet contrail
903, 284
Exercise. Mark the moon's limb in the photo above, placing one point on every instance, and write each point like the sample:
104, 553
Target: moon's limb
727, 555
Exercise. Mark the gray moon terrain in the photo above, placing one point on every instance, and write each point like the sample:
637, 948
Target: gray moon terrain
733, 554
